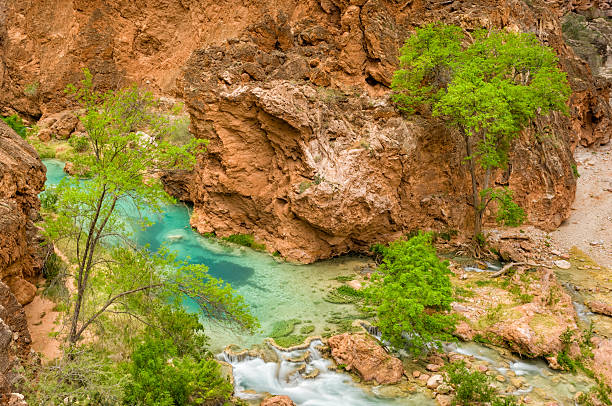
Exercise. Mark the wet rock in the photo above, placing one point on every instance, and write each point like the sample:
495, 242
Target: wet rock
362, 354
444, 389
280, 400
434, 381
600, 307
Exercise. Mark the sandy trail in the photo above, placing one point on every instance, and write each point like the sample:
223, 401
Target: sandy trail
589, 226
43, 321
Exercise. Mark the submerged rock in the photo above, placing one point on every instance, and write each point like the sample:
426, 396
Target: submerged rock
362, 354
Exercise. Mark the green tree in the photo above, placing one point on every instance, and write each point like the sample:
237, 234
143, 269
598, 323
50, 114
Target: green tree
111, 275
412, 294
15, 122
488, 85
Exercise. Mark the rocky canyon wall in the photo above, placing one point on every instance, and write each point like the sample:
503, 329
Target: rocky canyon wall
306, 152
22, 176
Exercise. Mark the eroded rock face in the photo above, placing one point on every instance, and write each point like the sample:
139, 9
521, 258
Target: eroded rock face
306, 151
602, 359
15, 340
314, 171
363, 355
22, 176
531, 329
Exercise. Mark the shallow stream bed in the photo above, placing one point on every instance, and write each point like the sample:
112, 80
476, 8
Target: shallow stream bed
278, 291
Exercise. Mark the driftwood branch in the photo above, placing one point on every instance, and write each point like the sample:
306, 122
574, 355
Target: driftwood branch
507, 267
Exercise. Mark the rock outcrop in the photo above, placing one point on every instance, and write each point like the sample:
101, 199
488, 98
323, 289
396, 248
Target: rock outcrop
308, 154
22, 176
306, 151
602, 359
363, 355
15, 341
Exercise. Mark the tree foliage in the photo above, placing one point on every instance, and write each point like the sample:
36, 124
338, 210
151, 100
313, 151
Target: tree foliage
15, 122
412, 293
171, 368
489, 85
126, 150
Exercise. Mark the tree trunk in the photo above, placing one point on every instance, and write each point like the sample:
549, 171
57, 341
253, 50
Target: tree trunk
475, 194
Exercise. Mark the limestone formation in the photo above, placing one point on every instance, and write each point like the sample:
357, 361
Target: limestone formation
22, 176
363, 355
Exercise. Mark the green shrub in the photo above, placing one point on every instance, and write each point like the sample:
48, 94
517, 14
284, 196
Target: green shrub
80, 144
15, 122
48, 199
411, 293
53, 267
31, 89
470, 387
160, 377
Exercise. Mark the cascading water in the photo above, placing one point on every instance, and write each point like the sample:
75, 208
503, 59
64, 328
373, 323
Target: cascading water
276, 291
303, 375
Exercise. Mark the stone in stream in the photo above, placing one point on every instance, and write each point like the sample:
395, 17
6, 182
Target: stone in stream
597, 306
278, 401
366, 357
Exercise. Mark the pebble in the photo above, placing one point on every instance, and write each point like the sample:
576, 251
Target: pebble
444, 389
500, 378
433, 367
482, 368
416, 373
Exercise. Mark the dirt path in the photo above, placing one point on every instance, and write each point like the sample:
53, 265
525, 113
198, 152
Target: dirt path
43, 322
590, 225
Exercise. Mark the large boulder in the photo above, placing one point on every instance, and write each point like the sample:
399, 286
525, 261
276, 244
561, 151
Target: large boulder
280, 400
362, 354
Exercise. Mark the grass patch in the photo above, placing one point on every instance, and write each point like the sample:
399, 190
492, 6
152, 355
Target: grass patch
344, 295
246, 240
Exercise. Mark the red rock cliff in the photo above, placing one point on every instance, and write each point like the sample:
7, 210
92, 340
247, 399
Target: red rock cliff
306, 152
22, 176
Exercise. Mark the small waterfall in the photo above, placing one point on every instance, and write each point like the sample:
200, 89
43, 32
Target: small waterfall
303, 374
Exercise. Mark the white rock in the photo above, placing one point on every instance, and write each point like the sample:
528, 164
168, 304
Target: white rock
563, 264
434, 381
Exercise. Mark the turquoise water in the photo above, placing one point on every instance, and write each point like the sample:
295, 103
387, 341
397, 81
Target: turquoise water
274, 290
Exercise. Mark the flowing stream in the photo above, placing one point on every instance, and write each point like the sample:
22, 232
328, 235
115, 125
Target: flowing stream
279, 291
